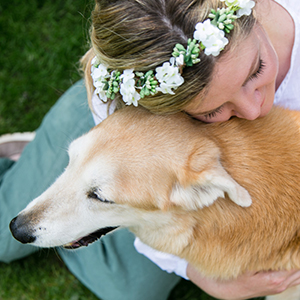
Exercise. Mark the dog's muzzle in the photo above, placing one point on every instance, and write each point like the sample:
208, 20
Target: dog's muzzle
24, 232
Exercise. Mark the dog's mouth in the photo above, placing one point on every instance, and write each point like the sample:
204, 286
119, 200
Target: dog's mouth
86, 240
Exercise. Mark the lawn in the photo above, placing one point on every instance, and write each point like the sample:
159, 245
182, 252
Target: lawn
41, 42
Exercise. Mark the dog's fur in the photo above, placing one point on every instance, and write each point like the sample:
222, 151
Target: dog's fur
180, 186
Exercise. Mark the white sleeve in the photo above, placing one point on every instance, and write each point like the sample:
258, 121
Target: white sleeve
167, 262
100, 109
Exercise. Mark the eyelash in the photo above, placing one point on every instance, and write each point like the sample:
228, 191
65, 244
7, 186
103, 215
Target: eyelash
259, 71
214, 113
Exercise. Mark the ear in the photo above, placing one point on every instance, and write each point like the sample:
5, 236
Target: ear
210, 185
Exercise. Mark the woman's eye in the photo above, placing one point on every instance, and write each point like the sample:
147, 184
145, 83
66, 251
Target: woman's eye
214, 113
259, 71
94, 195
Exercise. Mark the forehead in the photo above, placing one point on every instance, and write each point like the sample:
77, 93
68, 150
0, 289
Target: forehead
229, 74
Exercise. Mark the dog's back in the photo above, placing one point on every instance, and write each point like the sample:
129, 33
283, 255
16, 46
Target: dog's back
264, 157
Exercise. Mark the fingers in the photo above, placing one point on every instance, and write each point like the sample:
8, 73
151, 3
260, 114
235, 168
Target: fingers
279, 281
248, 285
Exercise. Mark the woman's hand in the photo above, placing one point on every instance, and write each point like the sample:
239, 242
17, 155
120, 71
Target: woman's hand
249, 285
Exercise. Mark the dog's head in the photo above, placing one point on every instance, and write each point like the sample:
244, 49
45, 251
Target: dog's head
134, 170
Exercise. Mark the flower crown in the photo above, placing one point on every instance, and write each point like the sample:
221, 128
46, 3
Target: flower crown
209, 37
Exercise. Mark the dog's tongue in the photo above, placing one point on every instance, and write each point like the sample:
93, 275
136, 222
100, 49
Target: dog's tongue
85, 241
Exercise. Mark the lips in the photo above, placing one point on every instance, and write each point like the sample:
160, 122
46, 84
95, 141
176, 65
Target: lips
86, 240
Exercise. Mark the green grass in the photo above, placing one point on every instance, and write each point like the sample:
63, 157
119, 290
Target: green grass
43, 276
41, 42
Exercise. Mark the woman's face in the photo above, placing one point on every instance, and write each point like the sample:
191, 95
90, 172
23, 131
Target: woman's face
243, 83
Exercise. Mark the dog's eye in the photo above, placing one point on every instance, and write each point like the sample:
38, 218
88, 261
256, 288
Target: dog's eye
94, 195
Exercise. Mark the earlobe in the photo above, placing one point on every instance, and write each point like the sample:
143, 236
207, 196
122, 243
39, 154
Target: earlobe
209, 186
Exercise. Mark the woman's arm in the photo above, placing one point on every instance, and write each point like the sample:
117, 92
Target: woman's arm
247, 286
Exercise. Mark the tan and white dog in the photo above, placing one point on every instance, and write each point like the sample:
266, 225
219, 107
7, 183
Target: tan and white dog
181, 187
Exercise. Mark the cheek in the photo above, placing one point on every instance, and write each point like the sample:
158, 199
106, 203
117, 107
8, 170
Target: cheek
272, 72
272, 65
269, 100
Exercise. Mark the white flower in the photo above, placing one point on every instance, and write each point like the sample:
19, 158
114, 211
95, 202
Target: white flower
127, 75
132, 98
127, 87
168, 77
102, 94
128, 91
99, 85
203, 30
215, 43
95, 61
180, 60
212, 38
164, 71
165, 89
245, 7
99, 72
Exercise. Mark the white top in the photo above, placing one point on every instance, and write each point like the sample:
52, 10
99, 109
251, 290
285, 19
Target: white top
287, 96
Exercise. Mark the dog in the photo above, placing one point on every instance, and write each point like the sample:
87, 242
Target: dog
223, 196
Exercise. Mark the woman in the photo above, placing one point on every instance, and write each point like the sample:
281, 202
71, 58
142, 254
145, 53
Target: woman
258, 58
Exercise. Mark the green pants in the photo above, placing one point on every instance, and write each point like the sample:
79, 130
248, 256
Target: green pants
111, 267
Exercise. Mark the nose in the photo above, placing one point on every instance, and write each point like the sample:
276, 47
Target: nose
248, 106
21, 230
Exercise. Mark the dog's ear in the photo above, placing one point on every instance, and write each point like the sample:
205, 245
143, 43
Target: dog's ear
210, 184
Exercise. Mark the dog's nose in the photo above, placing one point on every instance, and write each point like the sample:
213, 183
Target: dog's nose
21, 231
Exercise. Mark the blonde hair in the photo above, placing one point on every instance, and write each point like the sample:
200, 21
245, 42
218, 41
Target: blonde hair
141, 34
